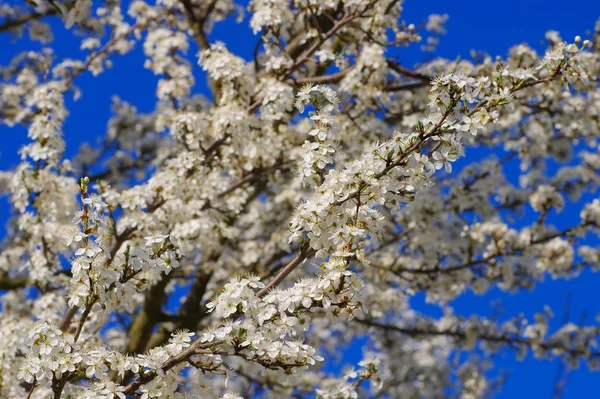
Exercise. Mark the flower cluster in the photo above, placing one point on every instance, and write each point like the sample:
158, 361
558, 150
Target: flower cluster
51, 354
317, 154
99, 281
161, 47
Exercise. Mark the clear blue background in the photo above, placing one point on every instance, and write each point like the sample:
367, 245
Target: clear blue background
491, 26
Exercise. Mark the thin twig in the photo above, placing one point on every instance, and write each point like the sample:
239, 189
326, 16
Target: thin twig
285, 271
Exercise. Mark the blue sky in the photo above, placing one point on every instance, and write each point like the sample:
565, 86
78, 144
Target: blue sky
490, 26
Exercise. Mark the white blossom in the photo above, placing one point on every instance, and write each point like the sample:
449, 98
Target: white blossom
235, 241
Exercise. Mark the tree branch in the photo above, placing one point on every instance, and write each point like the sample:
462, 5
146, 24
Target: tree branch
12, 283
500, 338
286, 270
25, 18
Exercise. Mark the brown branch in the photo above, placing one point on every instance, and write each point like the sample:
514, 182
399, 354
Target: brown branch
501, 338
324, 79
255, 175
103, 50
120, 239
189, 314
33, 387
296, 45
407, 72
58, 384
286, 270
12, 283
141, 328
474, 262
66, 322
25, 18
193, 349
82, 321
197, 23
406, 86
306, 54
